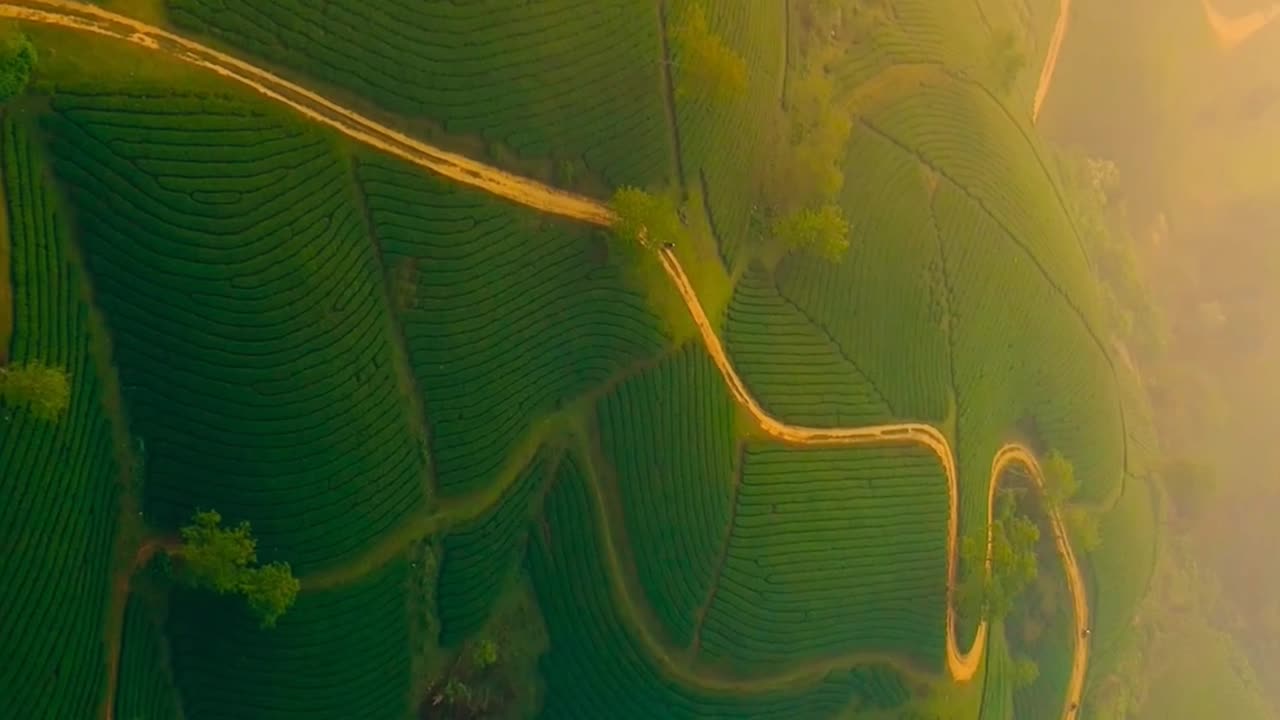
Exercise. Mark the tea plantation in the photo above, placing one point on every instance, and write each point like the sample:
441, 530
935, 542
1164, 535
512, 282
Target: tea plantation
508, 477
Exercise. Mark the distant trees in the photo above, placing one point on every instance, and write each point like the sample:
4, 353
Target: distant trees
45, 390
822, 231
224, 560
17, 60
705, 65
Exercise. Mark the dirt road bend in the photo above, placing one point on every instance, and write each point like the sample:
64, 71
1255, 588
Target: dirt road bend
962, 665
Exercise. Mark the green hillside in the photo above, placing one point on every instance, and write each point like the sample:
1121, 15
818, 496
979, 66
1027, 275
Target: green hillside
510, 475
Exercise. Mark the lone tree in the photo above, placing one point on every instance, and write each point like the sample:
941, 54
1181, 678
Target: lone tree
705, 65
224, 560
645, 219
17, 59
45, 390
822, 231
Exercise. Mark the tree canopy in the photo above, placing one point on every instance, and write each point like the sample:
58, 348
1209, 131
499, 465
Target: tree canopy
17, 60
223, 560
1013, 560
822, 231
706, 66
45, 390
645, 219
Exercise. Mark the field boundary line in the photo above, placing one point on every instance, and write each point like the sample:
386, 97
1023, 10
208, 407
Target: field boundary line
962, 665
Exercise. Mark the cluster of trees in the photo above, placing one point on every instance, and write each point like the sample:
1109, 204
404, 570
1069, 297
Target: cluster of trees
1061, 486
1014, 565
705, 66
43, 389
224, 560
17, 60
646, 219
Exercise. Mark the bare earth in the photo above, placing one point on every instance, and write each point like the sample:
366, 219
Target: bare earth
1232, 32
1051, 58
962, 665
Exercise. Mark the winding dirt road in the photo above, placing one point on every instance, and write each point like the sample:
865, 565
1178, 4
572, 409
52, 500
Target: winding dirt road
1232, 32
1051, 58
961, 664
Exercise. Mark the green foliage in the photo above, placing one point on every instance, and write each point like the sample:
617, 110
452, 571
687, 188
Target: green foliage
646, 219
215, 557
805, 163
1023, 672
17, 60
484, 654
823, 232
270, 591
221, 559
1059, 479
707, 66
1013, 560
1083, 527
45, 390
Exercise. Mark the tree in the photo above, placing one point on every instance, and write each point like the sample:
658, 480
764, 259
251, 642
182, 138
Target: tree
1024, 672
1060, 483
823, 231
1084, 527
806, 155
646, 219
45, 390
216, 557
223, 560
1013, 556
270, 591
706, 66
17, 60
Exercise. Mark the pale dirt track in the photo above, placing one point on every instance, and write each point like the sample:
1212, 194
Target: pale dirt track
961, 665
1051, 58
1232, 32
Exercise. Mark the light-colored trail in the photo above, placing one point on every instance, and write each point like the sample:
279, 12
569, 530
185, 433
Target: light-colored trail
1232, 32
961, 664
89, 18
1051, 58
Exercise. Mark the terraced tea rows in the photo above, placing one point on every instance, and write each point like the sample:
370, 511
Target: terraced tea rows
967, 136
791, 365
58, 482
833, 551
597, 668
720, 141
249, 326
337, 654
481, 556
1034, 375
669, 436
145, 689
478, 278
573, 80
1121, 573
885, 304
997, 684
